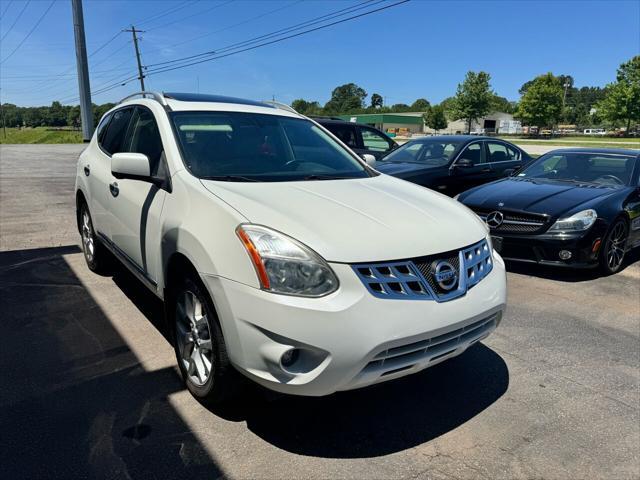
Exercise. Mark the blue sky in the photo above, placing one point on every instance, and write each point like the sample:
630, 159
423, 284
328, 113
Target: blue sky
418, 49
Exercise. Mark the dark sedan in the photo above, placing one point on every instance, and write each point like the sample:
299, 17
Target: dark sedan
453, 163
570, 207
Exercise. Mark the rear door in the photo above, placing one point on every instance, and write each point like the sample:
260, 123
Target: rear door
137, 206
502, 156
110, 139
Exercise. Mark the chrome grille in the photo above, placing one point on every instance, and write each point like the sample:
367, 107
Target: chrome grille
415, 279
516, 222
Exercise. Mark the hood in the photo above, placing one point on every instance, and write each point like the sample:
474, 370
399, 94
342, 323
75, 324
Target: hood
536, 196
399, 168
360, 220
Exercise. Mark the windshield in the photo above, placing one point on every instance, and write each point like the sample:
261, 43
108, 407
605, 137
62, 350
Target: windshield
598, 168
429, 152
237, 146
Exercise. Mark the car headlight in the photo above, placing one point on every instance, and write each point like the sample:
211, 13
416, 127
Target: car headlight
285, 265
578, 222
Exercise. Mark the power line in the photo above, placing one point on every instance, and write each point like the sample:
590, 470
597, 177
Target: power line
16, 20
297, 26
189, 16
30, 32
6, 9
170, 68
163, 13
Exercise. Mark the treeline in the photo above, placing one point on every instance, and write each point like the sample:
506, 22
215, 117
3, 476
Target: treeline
56, 115
545, 101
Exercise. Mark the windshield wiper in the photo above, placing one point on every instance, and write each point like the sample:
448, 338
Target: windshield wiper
326, 177
229, 178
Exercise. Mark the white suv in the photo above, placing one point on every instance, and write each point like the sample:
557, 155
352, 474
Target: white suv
278, 252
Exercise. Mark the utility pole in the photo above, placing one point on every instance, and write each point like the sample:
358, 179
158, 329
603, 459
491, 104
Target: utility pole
4, 125
83, 71
135, 44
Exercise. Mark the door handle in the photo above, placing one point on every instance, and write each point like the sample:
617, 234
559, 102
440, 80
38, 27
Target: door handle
87, 170
114, 189
485, 170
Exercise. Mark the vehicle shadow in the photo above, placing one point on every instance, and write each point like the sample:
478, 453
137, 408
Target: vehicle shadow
569, 275
75, 401
370, 422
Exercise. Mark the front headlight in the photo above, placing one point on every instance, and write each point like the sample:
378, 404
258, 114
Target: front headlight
285, 265
578, 222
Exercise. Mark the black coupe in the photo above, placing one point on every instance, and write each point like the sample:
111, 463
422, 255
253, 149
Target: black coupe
451, 164
571, 207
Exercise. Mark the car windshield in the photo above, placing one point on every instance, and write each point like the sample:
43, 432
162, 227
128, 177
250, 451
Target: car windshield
597, 168
238, 146
429, 152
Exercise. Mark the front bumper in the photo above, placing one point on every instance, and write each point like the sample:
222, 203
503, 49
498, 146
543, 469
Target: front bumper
545, 248
349, 339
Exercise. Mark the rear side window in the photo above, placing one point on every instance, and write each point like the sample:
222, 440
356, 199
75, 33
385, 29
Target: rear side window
114, 138
499, 152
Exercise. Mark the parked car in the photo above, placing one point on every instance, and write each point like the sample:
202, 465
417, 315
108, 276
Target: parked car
595, 131
277, 251
362, 139
570, 207
453, 163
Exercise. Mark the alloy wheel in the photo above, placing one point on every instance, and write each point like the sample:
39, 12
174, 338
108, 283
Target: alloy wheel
616, 245
88, 242
193, 337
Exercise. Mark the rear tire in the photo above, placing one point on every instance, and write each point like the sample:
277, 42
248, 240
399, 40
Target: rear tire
95, 254
613, 247
199, 344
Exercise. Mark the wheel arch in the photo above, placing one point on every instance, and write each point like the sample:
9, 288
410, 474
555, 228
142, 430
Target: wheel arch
80, 200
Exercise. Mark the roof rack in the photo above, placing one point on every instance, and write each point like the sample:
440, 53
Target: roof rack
281, 106
157, 96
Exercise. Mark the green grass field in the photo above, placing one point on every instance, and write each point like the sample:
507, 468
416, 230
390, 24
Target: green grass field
40, 135
633, 143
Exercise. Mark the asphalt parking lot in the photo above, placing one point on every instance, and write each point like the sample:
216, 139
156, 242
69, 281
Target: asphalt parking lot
89, 386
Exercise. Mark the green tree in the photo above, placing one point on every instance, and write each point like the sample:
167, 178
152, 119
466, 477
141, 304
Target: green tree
306, 108
541, 104
400, 108
420, 105
501, 104
435, 118
346, 98
622, 101
473, 98
376, 100
73, 117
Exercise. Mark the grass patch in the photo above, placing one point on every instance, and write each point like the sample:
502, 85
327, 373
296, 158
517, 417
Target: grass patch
579, 142
40, 135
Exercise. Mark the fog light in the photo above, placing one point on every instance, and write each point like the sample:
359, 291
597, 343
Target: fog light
565, 254
289, 357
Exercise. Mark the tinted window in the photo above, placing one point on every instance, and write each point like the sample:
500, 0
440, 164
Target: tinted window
145, 137
100, 131
499, 152
374, 140
431, 152
230, 145
114, 138
474, 153
346, 133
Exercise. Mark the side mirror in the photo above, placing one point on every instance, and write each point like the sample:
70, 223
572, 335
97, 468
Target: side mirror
464, 163
509, 172
370, 159
131, 165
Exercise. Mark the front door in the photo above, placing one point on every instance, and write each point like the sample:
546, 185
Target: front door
137, 206
477, 173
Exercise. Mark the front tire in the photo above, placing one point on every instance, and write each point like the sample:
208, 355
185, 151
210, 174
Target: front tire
199, 345
95, 254
613, 247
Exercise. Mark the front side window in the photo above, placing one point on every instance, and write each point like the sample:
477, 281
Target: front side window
145, 138
597, 168
114, 137
236, 146
474, 153
375, 141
